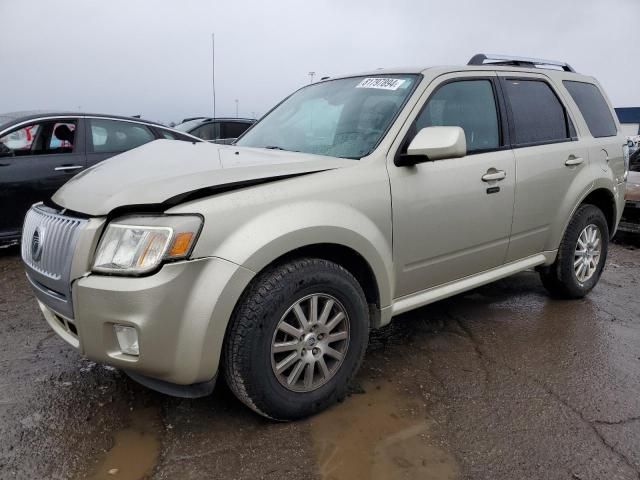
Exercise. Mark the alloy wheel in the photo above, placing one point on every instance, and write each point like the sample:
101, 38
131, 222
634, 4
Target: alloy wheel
310, 342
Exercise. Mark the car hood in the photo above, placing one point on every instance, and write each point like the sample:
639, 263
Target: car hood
170, 171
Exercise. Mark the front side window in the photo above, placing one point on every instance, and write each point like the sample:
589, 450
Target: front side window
593, 107
41, 138
469, 104
340, 118
109, 136
537, 114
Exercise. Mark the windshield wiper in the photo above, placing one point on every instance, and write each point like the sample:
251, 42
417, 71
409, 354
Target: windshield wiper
276, 147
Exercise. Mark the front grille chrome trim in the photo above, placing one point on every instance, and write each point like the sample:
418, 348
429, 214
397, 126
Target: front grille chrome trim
48, 243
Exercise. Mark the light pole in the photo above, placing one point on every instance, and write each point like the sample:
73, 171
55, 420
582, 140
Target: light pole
237, 101
311, 75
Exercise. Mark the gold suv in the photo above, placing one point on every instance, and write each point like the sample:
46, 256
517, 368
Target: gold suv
353, 200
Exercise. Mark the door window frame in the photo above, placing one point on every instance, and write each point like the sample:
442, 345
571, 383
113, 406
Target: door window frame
78, 144
570, 128
504, 132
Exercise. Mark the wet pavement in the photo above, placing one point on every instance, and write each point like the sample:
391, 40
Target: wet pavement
498, 383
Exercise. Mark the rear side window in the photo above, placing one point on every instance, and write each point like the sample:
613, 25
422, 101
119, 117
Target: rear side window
208, 131
234, 129
166, 134
469, 104
593, 107
537, 114
117, 136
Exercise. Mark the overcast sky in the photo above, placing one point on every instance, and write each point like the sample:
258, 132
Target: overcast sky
153, 57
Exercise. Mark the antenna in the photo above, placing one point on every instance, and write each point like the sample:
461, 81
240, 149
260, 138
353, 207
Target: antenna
213, 71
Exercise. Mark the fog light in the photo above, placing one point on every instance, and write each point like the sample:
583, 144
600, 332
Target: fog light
127, 339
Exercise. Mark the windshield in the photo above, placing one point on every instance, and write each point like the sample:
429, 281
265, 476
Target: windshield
339, 118
186, 126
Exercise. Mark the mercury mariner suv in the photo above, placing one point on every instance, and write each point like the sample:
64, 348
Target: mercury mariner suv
353, 200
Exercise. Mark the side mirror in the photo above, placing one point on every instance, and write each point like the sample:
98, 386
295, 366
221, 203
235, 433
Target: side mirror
434, 143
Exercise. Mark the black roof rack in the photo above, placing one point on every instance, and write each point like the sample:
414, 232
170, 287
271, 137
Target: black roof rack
507, 60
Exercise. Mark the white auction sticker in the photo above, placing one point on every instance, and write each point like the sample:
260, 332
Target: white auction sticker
381, 83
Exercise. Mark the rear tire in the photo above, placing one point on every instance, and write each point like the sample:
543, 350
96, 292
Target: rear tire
277, 366
581, 256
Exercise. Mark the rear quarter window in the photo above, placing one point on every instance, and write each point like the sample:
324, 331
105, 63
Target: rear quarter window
593, 107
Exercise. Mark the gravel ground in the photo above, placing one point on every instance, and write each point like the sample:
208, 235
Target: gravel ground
498, 383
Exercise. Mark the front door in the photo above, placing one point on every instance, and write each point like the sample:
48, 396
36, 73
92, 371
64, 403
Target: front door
449, 219
37, 159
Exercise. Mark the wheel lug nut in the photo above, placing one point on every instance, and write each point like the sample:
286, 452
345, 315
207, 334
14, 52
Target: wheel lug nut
316, 351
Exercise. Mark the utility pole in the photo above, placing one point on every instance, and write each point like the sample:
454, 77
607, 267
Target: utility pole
311, 75
213, 71
237, 107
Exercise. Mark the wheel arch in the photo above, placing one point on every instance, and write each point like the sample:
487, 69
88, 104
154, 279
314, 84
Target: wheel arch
349, 259
604, 199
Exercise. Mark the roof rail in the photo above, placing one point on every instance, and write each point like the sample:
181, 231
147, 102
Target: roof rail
493, 59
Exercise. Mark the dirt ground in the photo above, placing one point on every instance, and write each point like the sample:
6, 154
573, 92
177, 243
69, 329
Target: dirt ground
498, 383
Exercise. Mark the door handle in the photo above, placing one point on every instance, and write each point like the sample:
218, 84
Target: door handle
494, 174
68, 168
572, 161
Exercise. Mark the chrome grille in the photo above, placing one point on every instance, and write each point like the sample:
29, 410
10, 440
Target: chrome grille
48, 242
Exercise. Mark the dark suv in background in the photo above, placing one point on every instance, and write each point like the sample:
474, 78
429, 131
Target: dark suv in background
40, 151
216, 130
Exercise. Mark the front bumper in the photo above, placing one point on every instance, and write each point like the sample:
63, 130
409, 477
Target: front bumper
180, 314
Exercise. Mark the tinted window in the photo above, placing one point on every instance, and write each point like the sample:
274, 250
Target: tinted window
593, 107
538, 115
234, 129
208, 131
469, 104
43, 138
117, 136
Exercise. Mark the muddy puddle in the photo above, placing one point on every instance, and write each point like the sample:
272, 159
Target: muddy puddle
379, 434
135, 449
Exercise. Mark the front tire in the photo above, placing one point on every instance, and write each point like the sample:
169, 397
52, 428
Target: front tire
296, 339
581, 256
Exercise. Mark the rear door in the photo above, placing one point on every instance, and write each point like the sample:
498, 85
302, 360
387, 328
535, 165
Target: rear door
38, 158
551, 161
108, 137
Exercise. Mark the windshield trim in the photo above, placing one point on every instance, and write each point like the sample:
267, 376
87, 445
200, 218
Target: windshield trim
419, 77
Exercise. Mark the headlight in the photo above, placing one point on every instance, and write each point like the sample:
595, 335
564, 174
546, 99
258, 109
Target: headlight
136, 245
